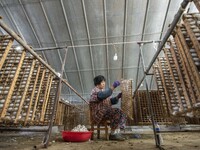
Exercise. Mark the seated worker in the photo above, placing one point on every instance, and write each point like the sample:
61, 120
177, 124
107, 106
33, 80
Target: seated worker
101, 103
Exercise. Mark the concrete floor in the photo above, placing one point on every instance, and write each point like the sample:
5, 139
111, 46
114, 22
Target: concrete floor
143, 141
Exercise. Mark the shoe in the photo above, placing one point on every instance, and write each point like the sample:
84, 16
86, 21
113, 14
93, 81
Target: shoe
116, 137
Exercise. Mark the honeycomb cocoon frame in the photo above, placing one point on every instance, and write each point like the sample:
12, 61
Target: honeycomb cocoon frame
127, 98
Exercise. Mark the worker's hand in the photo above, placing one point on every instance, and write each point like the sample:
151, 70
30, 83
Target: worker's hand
119, 95
116, 84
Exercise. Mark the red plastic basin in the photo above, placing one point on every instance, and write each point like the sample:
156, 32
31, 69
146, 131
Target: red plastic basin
71, 136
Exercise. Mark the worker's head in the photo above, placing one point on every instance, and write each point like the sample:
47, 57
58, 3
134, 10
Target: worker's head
100, 81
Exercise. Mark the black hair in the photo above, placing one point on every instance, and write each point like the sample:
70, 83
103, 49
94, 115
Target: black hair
98, 79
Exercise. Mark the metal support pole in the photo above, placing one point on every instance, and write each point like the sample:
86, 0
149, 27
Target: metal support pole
164, 40
63, 68
138, 69
59, 88
149, 99
48, 133
151, 81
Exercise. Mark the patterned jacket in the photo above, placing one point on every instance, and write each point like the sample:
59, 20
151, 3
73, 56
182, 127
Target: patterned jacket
100, 102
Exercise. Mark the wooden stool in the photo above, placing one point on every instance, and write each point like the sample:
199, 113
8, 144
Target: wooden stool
103, 125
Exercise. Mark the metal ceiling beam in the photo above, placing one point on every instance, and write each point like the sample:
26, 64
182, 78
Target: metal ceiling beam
32, 28
106, 40
119, 36
51, 31
72, 43
124, 39
102, 69
163, 26
98, 38
104, 44
88, 34
12, 20
145, 19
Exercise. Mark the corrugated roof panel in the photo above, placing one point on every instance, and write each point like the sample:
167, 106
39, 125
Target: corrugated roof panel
74, 81
70, 61
53, 59
95, 18
155, 19
40, 25
20, 21
57, 20
84, 59
75, 15
135, 17
88, 81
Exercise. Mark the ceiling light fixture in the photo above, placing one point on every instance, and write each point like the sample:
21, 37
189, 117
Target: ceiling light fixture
115, 57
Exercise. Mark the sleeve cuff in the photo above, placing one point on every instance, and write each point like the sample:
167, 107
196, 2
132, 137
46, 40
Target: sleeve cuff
114, 100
